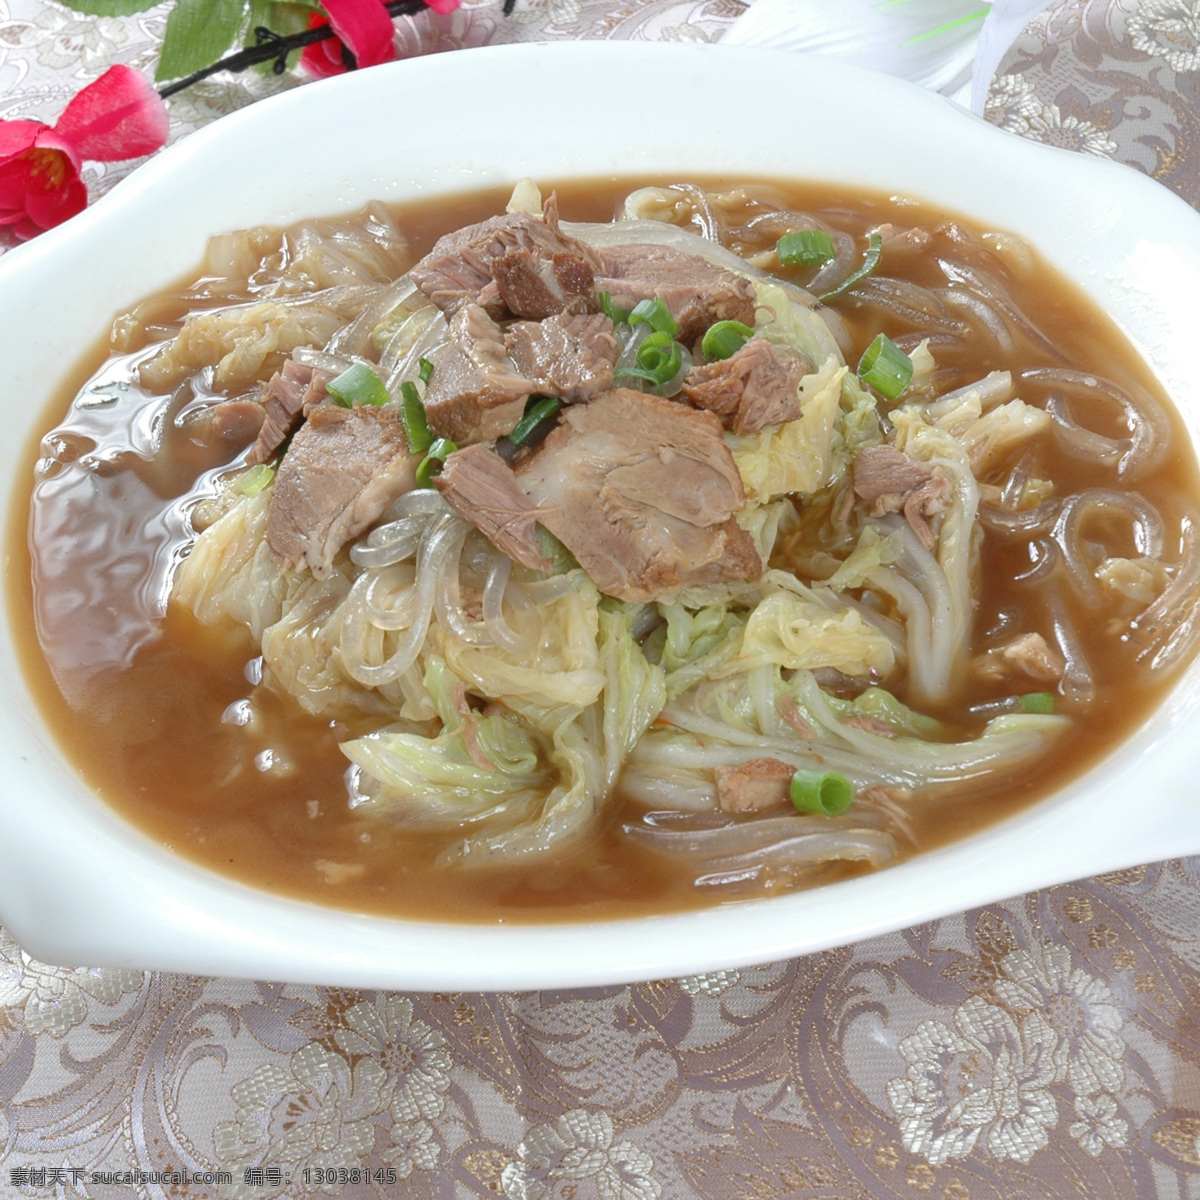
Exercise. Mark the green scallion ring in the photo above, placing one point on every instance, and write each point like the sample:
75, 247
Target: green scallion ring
885, 367
357, 384
655, 314
805, 248
1036, 702
725, 339
821, 793
660, 357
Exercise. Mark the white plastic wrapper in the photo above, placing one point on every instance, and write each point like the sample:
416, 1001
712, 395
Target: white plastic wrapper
948, 46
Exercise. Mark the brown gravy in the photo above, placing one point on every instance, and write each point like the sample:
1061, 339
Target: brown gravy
146, 712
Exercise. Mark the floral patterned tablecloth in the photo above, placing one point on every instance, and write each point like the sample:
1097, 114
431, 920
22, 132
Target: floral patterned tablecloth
1041, 1048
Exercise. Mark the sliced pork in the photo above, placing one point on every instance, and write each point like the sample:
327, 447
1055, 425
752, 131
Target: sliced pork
570, 355
343, 468
231, 424
897, 483
481, 487
284, 398
751, 389
697, 293
1027, 656
526, 265
642, 490
754, 785
532, 284
475, 393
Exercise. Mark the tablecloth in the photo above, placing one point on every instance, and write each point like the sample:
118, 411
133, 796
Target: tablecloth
1044, 1047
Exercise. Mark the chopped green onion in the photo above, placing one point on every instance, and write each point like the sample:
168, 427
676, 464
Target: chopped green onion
358, 384
870, 262
659, 359
661, 356
431, 464
655, 314
412, 417
822, 793
725, 339
805, 248
536, 411
251, 482
885, 367
426, 369
1036, 702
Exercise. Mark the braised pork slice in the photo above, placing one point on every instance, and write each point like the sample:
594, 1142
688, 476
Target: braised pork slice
642, 490
481, 487
1027, 656
343, 468
894, 482
754, 785
571, 355
475, 393
696, 292
535, 285
283, 398
526, 264
751, 389
230, 424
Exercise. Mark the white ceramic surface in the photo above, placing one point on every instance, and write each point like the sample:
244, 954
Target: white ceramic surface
79, 886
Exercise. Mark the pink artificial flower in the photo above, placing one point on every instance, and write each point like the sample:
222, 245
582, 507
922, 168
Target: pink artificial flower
362, 27
118, 116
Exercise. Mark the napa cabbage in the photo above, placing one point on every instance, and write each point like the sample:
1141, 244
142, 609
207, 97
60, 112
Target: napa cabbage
796, 456
793, 325
765, 711
231, 572
873, 549
799, 631
588, 748
244, 343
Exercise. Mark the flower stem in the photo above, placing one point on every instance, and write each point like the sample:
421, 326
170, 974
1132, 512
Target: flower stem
272, 46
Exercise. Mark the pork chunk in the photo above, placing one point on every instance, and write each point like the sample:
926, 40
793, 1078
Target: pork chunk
754, 785
570, 355
475, 393
284, 397
526, 265
343, 468
751, 389
696, 292
642, 491
481, 487
894, 482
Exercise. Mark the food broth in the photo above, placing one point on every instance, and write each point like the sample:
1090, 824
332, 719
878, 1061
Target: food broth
153, 711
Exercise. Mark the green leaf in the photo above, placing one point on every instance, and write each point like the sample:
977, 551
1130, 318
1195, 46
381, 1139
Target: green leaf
282, 18
110, 8
198, 33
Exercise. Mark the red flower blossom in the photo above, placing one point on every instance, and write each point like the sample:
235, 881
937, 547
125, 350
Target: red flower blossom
364, 28
118, 116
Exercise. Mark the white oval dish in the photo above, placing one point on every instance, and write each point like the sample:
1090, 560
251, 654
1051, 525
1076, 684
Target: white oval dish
80, 886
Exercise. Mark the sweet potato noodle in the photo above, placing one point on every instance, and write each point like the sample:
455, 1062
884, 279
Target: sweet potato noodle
477, 550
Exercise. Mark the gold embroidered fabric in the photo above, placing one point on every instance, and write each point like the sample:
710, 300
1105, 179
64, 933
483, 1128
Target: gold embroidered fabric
1041, 1049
